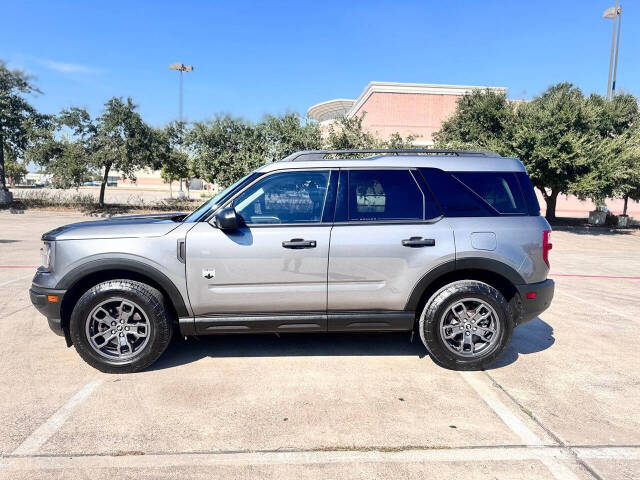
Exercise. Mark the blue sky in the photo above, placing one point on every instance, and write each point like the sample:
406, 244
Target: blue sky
253, 58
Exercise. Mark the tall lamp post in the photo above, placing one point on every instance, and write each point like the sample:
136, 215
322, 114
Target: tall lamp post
181, 67
614, 13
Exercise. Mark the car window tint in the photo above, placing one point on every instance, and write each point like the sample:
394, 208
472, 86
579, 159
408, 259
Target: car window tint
384, 195
287, 197
455, 199
499, 189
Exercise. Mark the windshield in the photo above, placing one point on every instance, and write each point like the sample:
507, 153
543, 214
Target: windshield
212, 203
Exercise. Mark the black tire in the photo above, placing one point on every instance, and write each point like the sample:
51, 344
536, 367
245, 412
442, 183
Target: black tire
440, 303
150, 301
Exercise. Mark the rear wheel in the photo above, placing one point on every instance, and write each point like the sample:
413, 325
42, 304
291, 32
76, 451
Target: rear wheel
121, 326
466, 325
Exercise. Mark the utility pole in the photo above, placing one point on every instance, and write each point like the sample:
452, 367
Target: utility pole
614, 13
181, 67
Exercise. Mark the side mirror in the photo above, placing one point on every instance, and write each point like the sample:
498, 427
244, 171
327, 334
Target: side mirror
227, 219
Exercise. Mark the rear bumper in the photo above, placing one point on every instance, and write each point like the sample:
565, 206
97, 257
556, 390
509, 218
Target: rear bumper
532, 307
52, 310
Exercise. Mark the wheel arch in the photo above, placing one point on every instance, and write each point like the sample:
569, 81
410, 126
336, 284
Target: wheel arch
82, 278
497, 274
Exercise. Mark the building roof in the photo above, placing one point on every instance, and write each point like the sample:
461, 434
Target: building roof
330, 109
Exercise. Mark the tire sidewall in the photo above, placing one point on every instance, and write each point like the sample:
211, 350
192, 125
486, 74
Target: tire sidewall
147, 299
439, 305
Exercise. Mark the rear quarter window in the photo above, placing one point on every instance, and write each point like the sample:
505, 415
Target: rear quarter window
500, 190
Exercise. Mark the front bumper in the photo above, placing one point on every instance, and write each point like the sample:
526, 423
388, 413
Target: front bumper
532, 307
41, 299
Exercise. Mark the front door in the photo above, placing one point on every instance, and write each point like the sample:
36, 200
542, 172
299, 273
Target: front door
271, 273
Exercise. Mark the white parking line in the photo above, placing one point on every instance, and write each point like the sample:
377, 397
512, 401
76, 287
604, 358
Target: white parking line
480, 384
34, 441
547, 455
15, 280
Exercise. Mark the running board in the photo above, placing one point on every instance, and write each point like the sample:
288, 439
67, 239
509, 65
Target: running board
337, 321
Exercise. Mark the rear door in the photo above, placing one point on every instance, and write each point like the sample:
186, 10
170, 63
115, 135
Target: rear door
388, 233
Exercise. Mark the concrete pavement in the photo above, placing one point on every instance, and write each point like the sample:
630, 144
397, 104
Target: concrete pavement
561, 403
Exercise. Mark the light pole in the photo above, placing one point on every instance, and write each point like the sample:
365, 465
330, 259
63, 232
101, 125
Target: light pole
614, 13
181, 67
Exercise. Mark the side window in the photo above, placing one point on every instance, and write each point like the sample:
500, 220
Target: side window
499, 189
455, 199
384, 195
287, 197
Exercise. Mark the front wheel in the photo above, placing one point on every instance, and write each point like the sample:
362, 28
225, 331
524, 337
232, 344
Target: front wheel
121, 326
466, 325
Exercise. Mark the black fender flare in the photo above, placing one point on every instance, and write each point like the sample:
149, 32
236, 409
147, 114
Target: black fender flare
72, 277
469, 263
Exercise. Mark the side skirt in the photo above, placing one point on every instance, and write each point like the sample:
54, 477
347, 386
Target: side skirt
360, 321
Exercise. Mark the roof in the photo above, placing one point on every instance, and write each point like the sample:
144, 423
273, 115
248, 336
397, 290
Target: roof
460, 161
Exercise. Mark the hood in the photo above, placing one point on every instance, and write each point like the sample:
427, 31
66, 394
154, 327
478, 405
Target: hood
152, 225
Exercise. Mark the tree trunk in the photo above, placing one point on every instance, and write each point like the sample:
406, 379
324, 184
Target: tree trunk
171, 188
103, 185
626, 200
3, 181
551, 201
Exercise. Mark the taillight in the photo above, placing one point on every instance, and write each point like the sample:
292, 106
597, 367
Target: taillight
546, 246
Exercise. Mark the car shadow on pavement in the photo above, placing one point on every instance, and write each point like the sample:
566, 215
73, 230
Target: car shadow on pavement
181, 352
532, 337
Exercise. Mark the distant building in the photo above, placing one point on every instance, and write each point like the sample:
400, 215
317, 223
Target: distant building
406, 108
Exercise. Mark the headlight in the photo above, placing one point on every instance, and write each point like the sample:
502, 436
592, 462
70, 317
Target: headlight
47, 252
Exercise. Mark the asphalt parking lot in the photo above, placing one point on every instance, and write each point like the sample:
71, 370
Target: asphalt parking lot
562, 403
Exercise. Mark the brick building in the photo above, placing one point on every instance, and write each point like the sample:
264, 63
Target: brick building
406, 108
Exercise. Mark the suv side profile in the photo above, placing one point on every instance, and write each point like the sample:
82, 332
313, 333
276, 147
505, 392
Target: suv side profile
447, 243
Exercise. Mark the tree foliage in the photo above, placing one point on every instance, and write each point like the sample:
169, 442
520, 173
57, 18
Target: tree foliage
566, 141
15, 170
19, 121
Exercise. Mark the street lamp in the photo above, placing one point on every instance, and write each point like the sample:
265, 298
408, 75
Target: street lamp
614, 13
181, 67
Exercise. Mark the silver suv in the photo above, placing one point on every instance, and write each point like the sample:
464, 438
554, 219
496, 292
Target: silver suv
447, 243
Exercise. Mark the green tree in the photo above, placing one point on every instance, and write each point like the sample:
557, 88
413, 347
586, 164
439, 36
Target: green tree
227, 148
14, 170
554, 134
118, 139
69, 168
348, 133
175, 161
484, 120
287, 134
18, 119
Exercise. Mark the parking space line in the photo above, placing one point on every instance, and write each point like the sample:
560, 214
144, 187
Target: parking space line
553, 457
478, 382
34, 441
517, 426
4, 284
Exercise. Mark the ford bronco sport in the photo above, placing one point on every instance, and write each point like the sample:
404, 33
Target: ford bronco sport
449, 244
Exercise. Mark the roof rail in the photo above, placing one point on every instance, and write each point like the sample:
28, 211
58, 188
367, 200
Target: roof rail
310, 155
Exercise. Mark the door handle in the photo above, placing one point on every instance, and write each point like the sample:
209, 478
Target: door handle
418, 242
299, 243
